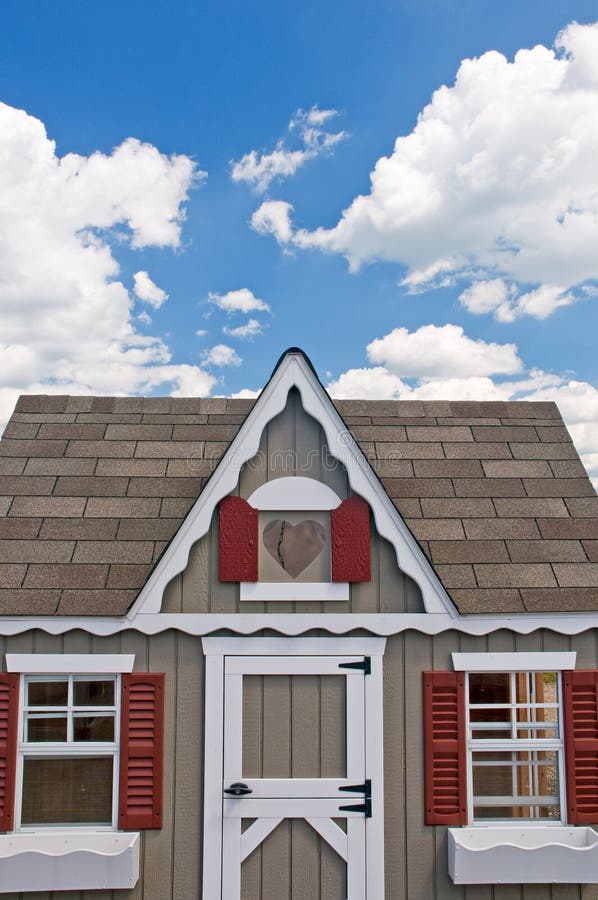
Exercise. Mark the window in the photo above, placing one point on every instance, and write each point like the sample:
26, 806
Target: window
68, 751
514, 746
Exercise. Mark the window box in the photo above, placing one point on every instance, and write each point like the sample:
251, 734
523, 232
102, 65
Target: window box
523, 855
64, 861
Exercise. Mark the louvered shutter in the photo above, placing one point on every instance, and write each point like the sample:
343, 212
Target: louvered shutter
238, 539
141, 751
580, 695
444, 748
9, 716
350, 534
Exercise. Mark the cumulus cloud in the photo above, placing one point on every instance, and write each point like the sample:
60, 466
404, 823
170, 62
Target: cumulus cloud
453, 368
259, 169
245, 394
146, 290
274, 217
245, 332
497, 183
221, 355
66, 320
242, 300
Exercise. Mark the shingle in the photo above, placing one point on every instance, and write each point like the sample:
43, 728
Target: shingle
95, 603
232, 406
68, 575
79, 404
32, 448
21, 430
567, 468
546, 551
131, 467
78, 529
43, 418
190, 467
514, 575
477, 450
48, 506
449, 468
559, 599
165, 487
92, 486
446, 434
591, 550
26, 485
37, 551
468, 551
147, 529
485, 487
393, 468
419, 487
516, 468
559, 487
536, 409
117, 551
384, 450
571, 575
5, 504
568, 528
102, 404
168, 450
585, 507
543, 451
475, 409
490, 600
409, 507
456, 576
204, 432
122, 507
436, 529
110, 418
176, 507
500, 529
534, 507
28, 603
130, 577
511, 434
392, 433
12, 465
73, 432
138, 432
175, 419
211, 450
554, 434
462, 507
114, 449
42, 403
60, 466
19, 529
11, 575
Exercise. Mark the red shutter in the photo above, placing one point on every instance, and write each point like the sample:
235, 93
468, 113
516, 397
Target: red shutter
141, 751
350, 527
444, 748
580, 695
238, 537
9, 717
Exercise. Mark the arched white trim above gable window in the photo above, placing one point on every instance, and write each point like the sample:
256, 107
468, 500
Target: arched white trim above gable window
294, 493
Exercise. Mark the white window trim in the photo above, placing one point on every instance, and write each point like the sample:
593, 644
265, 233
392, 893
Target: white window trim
306, 590
70, 663
294, 493
59, 749
514, 662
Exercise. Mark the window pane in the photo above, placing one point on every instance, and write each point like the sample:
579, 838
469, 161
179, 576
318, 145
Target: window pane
47, 693
46, 729
93, 728
516, 812
94, 693
67, 791
489, 687
526, 781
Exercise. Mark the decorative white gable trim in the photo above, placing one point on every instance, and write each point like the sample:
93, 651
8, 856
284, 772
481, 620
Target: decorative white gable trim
294, 372
294, 494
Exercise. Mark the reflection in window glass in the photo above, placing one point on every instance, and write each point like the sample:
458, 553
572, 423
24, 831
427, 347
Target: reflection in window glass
48, 693
69, 791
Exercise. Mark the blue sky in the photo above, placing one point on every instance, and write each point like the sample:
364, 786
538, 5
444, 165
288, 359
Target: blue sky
468, 269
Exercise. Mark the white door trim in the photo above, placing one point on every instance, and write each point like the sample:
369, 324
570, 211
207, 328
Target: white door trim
215, 650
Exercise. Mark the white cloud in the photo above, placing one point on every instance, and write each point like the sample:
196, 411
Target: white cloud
66, 320
499, 298
245, 332
221, 355
446, 372
260, 169
144, 317
201, 332
242, 300
274, 217
441, 351
245, 394
497, 182
146, 290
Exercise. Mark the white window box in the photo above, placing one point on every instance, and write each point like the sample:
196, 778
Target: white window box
65, 861
528, 854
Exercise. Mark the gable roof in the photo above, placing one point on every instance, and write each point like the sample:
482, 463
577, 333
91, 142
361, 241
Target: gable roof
92, 489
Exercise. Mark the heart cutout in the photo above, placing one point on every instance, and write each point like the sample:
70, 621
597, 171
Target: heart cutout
294, 547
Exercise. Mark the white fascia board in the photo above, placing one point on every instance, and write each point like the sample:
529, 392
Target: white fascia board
294, 493
70, 663
514, 662
302, 646
295, 372
386, 624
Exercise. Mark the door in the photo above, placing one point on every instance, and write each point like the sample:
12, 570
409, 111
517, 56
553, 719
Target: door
296, 795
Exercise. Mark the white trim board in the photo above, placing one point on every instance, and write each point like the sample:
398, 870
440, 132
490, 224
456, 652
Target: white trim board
294, 494
299, 623
70, 663
294, 590
514, 662
294, 372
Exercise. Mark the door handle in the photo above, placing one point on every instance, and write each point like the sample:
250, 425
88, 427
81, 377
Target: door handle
237, 789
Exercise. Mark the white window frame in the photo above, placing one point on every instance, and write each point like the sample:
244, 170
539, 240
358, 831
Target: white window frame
514, 664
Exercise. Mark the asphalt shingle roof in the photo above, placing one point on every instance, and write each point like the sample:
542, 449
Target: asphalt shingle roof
93, 488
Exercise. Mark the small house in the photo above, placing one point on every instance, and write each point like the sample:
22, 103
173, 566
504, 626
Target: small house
292, 648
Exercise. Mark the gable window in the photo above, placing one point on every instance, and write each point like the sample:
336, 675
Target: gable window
68, 751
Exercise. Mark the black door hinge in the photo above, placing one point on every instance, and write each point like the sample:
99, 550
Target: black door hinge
366, 806
364, 664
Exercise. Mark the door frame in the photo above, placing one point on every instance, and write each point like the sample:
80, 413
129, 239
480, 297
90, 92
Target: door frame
215, 650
